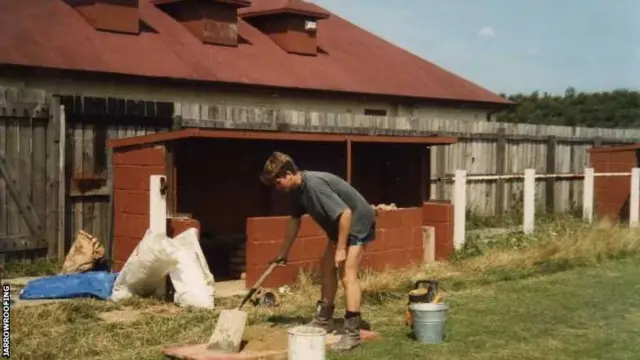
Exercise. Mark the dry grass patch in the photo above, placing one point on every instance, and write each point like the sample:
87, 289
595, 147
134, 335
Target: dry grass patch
83, 329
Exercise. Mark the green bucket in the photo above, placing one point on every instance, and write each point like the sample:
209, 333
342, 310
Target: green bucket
429, 321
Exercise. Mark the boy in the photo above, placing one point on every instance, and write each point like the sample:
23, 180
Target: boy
349, 222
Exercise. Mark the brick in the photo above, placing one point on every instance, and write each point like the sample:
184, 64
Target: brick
123, 247
313, 248
309, 228
128, 177
444, 241
266, 228
390, 219
131, 202
145, 156
176, 226
259, 254
412, 217
280, 276
379, 243
398, 238
416, 237
436, 212
132, 226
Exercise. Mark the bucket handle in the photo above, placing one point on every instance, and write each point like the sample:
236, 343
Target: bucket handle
429, 283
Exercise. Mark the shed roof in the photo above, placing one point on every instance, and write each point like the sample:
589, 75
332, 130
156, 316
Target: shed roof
614, 148
51, 34
270, 135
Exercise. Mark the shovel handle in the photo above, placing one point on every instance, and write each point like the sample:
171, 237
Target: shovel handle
258, 284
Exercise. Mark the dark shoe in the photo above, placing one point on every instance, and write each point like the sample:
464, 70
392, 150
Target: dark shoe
324, 316
351, 338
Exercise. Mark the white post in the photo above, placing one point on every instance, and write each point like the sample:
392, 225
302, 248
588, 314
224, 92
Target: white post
529, 201
157, 205
634, 197
587, 195
459, 208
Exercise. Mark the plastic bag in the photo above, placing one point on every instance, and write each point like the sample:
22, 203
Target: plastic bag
146, 268
83, 255
193, 282
96, 284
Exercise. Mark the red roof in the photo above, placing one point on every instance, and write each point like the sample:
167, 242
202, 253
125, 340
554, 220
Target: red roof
292, 6
50, 33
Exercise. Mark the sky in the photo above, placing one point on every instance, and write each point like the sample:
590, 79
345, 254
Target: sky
512, 46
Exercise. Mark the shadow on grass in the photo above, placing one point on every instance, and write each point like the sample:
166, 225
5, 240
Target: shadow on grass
338, 323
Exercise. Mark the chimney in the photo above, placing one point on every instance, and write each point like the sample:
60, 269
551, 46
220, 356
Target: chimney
120, 16
293, 26
212, 21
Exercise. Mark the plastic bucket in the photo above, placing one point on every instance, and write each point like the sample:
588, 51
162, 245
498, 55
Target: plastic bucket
307, 343
428, 321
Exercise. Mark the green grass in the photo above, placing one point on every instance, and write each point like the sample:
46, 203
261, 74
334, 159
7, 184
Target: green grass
587, 313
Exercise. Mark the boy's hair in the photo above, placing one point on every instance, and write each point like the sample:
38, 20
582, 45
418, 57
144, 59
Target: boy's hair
277, 166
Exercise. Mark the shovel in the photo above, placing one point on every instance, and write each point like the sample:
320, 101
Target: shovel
227, 335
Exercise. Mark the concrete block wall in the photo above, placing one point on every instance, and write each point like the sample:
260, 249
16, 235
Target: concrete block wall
398, 243
440, 216
131, 171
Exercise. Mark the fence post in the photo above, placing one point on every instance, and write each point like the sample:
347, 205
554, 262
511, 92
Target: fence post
587, 195
459, 208
634, 197
157, 204
529, 201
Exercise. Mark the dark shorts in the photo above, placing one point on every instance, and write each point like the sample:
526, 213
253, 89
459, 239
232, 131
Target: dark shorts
369, 237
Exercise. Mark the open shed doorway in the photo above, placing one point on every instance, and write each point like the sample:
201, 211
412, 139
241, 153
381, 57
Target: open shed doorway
217, 183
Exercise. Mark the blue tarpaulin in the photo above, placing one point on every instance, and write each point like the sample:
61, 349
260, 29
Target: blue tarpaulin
96, 284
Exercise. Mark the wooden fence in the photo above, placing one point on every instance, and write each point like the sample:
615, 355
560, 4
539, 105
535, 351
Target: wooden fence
29, 172
33, 147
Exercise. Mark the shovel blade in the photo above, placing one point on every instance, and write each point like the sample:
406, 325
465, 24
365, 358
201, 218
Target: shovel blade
227, 336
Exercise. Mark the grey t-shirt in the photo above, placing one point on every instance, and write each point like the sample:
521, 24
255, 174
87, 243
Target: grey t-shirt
324, 196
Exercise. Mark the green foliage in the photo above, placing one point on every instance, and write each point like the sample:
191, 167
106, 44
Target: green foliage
612, 109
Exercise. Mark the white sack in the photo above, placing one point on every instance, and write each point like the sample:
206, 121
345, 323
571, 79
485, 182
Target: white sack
146, 268
193, 282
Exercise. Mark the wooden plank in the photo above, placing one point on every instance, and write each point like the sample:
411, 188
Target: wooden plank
89, 220
441, 162
39, 178
76, 156
551, 169
501, 152
53, 215
26, 162
59, 156
20, 243
4, 201
12, 158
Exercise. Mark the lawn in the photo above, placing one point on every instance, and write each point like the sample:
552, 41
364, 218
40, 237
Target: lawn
569, 292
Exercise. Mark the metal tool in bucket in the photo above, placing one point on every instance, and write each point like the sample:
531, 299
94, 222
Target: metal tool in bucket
424, 291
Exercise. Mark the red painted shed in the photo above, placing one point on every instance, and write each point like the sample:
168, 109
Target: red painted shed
611, 193
213, 184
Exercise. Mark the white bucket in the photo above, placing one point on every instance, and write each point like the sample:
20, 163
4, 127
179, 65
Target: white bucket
307, 343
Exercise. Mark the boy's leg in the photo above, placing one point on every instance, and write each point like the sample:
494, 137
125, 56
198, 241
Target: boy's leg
353, 295
329, 286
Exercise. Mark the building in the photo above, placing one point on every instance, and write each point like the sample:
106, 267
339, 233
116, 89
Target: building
284, 53
130, 67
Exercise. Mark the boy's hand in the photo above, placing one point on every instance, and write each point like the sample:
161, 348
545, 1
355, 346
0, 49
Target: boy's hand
281, 260
341, 257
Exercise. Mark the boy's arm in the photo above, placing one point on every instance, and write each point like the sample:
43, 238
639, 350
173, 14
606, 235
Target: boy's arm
290, 234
